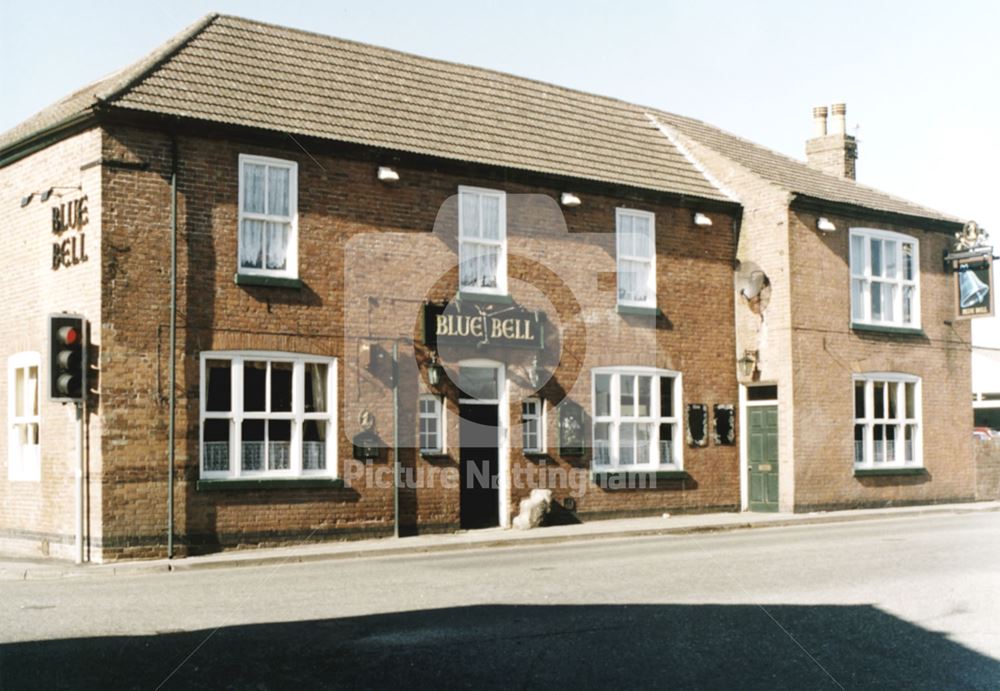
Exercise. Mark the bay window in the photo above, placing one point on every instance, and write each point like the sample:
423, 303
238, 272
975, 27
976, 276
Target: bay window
885, 278
886, 420
267, 415
482, 240
636, 418
636, 252
268, 217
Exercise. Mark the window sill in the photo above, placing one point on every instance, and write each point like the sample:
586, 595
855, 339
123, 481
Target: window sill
876, 472
267, 281
603, 475
538, 453
636, 310
434, 455
495, 298
269, 483
878, 328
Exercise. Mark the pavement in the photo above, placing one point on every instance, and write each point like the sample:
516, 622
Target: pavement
17, 568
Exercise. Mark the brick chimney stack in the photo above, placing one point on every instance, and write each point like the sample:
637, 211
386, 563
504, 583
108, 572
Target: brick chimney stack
836, 152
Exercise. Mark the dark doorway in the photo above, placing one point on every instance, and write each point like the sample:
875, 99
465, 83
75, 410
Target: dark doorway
479, 462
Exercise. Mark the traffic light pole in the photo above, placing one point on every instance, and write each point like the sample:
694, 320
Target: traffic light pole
80, 412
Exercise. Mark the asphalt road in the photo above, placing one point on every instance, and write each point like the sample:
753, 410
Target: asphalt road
908, 603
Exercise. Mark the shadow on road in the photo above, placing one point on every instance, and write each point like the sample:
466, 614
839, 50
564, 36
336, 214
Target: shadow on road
529, 646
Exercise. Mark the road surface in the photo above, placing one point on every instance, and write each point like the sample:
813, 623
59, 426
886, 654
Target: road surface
908, 603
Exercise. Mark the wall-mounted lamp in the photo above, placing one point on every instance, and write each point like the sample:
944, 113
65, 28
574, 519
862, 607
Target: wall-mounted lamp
747, 363
825, 224
701, 219
535, 373
434, 373
387, 174
27, 199
569, 199
44, 196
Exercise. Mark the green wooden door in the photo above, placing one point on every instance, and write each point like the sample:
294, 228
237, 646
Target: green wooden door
763, 457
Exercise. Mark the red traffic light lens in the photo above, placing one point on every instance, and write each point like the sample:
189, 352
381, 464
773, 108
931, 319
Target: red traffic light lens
69, 335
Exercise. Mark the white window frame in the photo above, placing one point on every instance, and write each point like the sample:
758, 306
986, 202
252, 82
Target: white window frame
236, 415
869, 421
467, 239
291, 269
654, 418
861, 273
538, 418
438, 415
650, 300
24, 461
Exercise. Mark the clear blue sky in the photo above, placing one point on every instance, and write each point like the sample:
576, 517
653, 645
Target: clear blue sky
921, 79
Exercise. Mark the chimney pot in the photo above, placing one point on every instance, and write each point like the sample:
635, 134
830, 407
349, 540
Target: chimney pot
839, 118
835, 152
819, 119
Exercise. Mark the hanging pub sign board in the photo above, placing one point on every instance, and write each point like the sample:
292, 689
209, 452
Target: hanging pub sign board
974, 286
481, 325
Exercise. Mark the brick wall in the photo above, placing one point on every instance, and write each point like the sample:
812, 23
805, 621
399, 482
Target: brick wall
763, 325
341, 205
987, 458
827, 352
801, 332
37, 517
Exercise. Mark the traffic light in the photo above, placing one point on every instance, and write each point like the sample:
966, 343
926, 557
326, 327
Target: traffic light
67, 357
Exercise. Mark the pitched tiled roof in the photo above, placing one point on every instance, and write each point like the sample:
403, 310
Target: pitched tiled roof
242, 72
791, 174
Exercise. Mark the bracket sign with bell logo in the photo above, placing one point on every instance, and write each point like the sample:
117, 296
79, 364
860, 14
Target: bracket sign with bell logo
972, 262
974, 286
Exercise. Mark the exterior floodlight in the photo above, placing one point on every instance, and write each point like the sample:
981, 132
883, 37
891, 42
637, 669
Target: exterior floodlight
825, 224
701, 219
44, 196
387, 174
569, 199
26, 200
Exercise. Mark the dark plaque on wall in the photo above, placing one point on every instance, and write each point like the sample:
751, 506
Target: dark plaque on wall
725, 430
571, 429
697, 422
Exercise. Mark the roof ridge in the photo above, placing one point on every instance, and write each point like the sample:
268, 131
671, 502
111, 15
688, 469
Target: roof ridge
805, 167
627, 105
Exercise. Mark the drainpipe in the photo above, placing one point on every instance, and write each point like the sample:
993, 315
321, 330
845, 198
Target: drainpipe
173, 347
395, 438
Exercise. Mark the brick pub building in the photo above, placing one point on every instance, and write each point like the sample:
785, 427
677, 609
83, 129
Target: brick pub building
307, 260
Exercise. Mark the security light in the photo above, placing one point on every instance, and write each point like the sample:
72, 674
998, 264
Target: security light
387, 174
